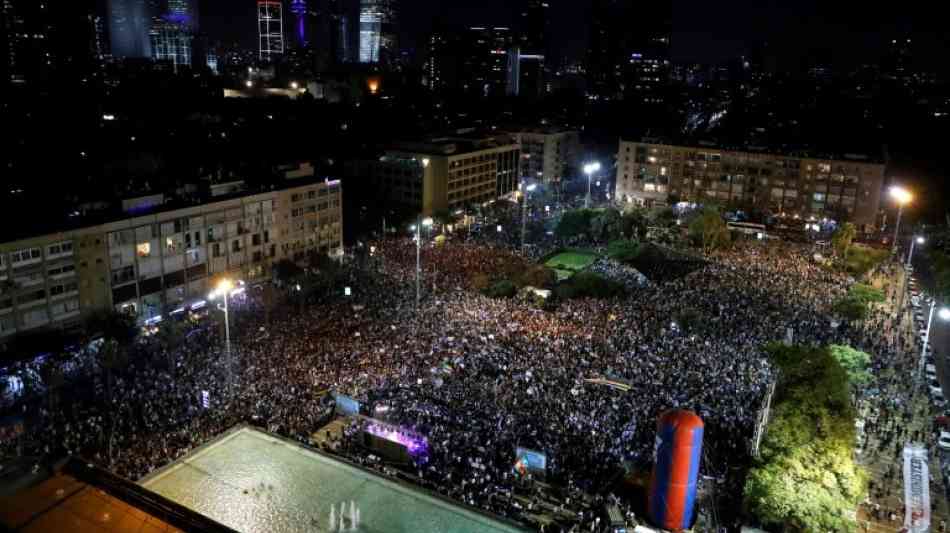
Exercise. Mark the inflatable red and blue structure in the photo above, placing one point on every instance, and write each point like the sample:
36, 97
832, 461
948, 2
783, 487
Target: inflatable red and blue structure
679, 447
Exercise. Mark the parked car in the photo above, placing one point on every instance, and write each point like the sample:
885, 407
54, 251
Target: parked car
944, 441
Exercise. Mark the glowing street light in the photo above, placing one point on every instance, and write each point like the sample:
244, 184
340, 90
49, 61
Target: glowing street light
427, 222
903, 197
249, 84
294, 85
223, 289
943, 314
910, 253
589, 169
524, 214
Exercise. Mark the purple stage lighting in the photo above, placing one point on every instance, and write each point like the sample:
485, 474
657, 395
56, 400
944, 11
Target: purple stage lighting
416, 444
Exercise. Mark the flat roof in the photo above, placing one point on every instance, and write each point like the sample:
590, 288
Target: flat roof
252, 481
82, 498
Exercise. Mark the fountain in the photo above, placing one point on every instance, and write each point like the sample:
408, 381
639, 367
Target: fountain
352, 515
332, 517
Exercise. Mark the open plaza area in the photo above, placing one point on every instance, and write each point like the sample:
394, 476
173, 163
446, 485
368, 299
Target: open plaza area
467, 380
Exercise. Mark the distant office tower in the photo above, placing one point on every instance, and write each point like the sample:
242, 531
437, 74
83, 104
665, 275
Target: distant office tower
171, 34
485, 65
533, 26
27, 31
378, 42
299, 9
629, 61
270, 29
129, 23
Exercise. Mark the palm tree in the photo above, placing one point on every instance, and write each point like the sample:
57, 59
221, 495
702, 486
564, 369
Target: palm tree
111, 356
51, 372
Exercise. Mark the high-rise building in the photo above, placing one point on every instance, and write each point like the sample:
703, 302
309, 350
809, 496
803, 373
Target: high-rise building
270, 29
26, 37
484, 58
378, 41
299, 9
47, 42
533, 26
630, 59
129, 24
172, 32
548, 153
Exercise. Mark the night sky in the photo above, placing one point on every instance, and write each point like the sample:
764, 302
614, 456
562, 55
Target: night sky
842, 33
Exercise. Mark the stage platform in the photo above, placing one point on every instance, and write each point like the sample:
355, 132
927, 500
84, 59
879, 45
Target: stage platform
252, 481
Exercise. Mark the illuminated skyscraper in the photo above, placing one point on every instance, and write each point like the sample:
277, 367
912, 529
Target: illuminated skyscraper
378, 42
299, 9
129, 23
270, 29
171, 34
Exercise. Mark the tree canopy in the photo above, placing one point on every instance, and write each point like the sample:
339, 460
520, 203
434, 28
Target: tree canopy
709, 230
623, 251
855, 363
806, 478
843, 237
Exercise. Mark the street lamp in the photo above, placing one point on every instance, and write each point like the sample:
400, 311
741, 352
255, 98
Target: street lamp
944, 315
589, 169
224, 289
902, 196
427, 222
524, 215
910, 254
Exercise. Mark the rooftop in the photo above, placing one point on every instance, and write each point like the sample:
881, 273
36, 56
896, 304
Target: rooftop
252, 481
81, 498
456, 143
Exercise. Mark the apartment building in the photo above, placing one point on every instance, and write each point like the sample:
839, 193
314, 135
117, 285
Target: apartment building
154, 263
446, 173
547, 154
844, 189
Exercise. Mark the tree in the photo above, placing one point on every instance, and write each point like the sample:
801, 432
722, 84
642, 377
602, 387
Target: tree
623, 251
171, 334
286, 271
113, 325
634, 224
111, 357
866, 293
588, 285
51, 372
539, 277
501, 289
479, 281
574, 223
606, 225
843, 238
854, 362
850, 309
709, 230
806, 478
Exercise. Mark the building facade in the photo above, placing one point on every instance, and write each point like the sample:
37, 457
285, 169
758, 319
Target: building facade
378, 41
446, 173
270, 29
547, 154
847, 189
151, 264
630, 62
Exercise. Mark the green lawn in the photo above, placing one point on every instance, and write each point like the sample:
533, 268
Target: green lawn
570, 262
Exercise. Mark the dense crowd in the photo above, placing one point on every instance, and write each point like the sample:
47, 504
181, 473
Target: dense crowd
476, 376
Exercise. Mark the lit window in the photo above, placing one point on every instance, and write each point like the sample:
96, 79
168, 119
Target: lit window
144, 249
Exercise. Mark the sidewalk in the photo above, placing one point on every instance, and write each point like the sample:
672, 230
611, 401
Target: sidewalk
902, 412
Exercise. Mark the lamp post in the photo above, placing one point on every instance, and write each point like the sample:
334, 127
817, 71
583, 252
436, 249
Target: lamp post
224, 288
902, 196
589, 169
910, 254
524, 215
418, 229
944, 315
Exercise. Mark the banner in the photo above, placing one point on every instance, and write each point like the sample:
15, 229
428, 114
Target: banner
916, 488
